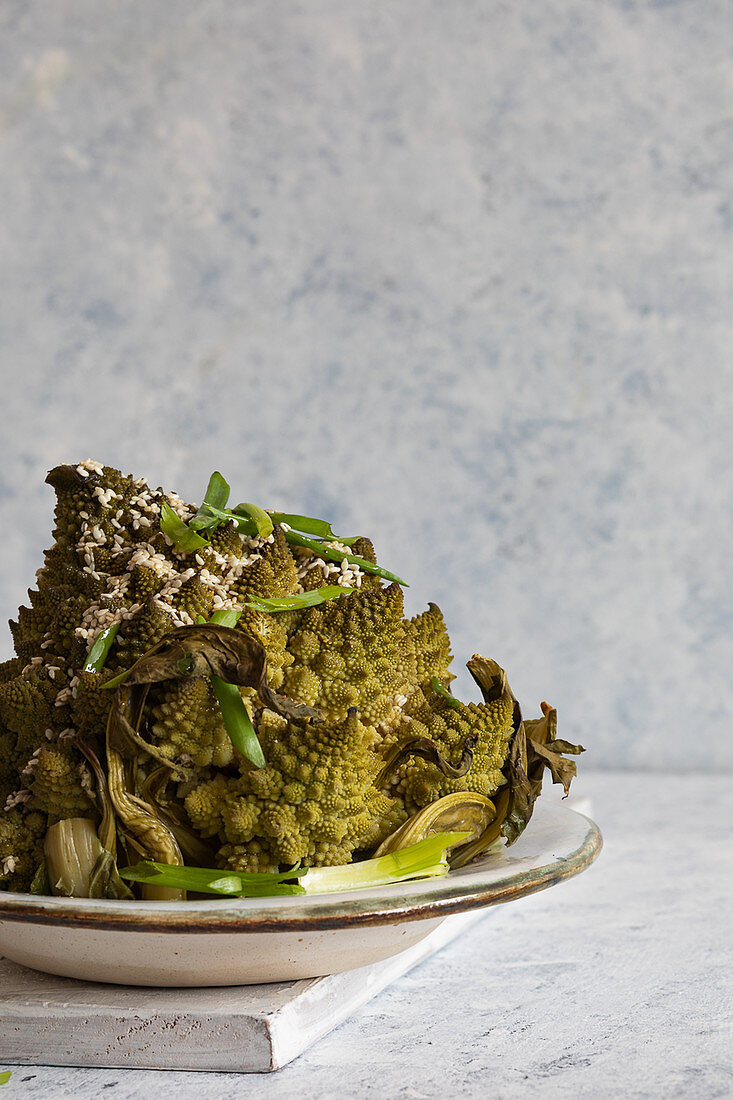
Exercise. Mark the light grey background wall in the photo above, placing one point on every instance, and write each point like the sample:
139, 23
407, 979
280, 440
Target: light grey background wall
454, 274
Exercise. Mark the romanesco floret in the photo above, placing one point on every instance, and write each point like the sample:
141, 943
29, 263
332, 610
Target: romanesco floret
186, 722
353, 652
416, 782
21, 848
315, 801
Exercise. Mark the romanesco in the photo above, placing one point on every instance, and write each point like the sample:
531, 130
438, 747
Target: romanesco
327, 792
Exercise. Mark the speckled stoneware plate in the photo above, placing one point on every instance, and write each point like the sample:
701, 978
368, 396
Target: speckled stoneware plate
252, 940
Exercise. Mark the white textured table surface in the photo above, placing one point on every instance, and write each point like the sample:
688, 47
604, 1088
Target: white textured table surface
616, 983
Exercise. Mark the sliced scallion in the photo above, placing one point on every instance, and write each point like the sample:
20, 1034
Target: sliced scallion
321, 528
296, 603
237, 721
179, 532
424, 859
443, 692
236, 716
322, 550
262, 520
99, 652
216, 496
227, 617
210, 881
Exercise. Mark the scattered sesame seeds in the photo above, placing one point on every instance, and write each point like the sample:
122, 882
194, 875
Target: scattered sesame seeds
17, 798
9, 865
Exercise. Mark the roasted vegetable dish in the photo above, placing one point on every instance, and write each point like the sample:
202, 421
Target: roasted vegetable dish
239, 690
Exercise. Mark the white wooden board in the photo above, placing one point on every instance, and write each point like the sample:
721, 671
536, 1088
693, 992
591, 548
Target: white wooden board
46, 1020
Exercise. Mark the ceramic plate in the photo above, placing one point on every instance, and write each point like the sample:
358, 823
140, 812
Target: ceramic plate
252, 940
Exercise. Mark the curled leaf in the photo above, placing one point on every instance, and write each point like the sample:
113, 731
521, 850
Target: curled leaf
428, 750
212, 650
262, 520
533, 749
461, 812
105, 881
151, 835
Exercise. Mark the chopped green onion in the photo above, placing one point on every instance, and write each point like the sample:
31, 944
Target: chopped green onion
178, 532
225, 618
5, 1076
233, 711
217, 491
310, 526
237, 721
425, 859
295, 603
217, 495
262, 520
443, 692
324, 551
204, 881
245, 524
99, 652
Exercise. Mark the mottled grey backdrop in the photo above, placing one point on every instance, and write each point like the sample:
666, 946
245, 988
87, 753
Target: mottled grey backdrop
457, 275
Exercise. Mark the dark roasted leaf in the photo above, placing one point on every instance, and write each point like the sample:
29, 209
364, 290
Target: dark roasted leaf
428, 750
535, 748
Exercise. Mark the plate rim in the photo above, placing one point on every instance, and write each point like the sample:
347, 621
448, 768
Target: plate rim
212, 918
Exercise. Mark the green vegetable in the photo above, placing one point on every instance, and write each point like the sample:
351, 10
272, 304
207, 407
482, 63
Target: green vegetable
100, 650
425, 859
331, 554
341, 690
443, 692
238, 722
71, 850
262, 520
5, 1076
233, 711
216, 496
228, 618
310, 526
295, 603
177, 531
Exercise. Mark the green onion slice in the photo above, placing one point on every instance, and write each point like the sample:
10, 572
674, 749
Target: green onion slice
321, 528
324, 551
301, 600
263, 521
443, 692
5, 1076
224, 618
204, 881
237, 721
216, 496
233, 711
178, 532
424, 859
99, 652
